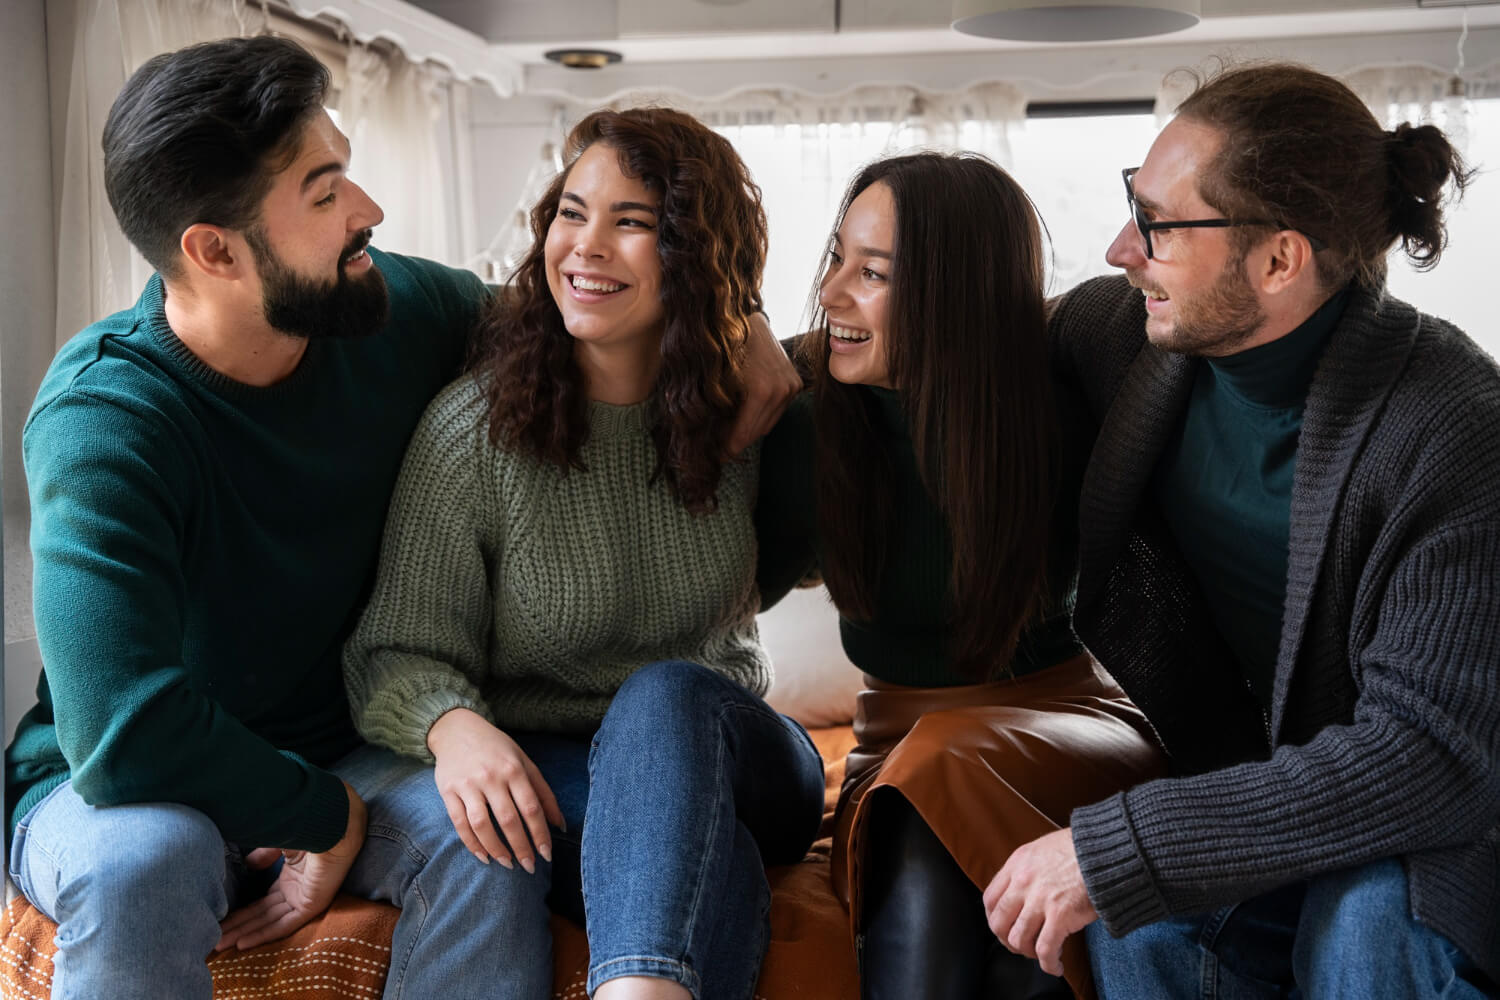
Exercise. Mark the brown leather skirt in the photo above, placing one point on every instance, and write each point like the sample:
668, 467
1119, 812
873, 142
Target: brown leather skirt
993, 766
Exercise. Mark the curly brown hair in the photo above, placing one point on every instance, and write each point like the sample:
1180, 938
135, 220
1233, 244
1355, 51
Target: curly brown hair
711, 239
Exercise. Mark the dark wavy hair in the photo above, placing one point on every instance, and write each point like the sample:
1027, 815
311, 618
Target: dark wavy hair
1301, 148
198, 135
711, 239
965, 336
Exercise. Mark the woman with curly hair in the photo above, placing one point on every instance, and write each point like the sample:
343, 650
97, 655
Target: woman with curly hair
933, 475
563, 621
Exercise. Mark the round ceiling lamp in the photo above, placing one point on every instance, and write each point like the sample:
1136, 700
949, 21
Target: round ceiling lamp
1073, 20
583, 58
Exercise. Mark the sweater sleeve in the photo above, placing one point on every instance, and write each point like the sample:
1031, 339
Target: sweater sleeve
785, 509
420, 647
132, 721
1417, 767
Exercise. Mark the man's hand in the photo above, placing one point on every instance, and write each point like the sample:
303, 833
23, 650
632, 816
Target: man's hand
770, 383
305, 886
482, 773
1038, 898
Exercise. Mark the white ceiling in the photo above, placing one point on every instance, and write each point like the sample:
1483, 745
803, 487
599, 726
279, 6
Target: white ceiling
696, 30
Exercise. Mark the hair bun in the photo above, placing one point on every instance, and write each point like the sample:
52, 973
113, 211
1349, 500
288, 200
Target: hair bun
1421, 162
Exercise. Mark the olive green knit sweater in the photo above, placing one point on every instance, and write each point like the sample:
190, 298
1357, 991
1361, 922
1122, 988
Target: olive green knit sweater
529, 593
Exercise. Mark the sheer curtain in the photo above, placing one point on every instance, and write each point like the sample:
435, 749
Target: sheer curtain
98, 271
408, 132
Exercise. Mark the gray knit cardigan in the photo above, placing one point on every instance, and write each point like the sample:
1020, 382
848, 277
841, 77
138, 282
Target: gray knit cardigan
1384, 734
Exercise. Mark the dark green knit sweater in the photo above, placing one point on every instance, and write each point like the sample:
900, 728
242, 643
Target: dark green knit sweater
201, 549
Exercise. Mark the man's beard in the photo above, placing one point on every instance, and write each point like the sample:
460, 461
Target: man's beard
306, 307
1218, 320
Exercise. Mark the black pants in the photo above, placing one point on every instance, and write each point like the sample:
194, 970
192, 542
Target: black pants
923, 934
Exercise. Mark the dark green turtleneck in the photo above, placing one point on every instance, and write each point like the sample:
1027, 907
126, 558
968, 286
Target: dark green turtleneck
907, 641
1225, 484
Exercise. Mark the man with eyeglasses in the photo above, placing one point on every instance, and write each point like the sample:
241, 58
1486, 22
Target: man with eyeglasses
1290, 543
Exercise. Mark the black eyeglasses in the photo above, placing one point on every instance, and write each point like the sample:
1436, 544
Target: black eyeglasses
1146, 227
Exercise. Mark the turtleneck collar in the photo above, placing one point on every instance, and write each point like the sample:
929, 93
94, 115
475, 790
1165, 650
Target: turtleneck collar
1277, 375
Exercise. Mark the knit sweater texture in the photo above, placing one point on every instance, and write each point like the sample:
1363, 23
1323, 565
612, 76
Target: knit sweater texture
1383, 738
528, 593
201, 549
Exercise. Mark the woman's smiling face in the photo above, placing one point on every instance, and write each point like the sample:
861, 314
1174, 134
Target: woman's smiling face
855, 288
601, 257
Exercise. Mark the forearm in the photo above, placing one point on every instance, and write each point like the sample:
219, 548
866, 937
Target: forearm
173, 745
1352, 795
785, 508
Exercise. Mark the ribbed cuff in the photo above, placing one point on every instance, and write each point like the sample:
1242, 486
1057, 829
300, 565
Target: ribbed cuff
324, 816
402, 723
1115, 873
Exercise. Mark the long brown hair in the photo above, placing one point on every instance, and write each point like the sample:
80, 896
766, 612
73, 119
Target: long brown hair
711, 239
1301, 148
965, 335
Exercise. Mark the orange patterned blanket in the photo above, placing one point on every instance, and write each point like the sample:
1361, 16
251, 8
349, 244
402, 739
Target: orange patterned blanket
346, 952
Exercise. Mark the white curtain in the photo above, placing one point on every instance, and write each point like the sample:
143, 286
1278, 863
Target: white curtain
408, 130
1426, 94
98, 271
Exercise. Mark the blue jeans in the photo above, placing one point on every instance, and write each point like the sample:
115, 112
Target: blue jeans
690, 781
690, 787
1346, 934
138, 891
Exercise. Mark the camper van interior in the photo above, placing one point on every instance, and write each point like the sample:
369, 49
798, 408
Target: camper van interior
456, 111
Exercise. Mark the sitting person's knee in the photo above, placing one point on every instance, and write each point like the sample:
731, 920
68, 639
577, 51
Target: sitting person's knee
663, 691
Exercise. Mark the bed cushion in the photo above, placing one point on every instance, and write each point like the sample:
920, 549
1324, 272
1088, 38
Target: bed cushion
346, 952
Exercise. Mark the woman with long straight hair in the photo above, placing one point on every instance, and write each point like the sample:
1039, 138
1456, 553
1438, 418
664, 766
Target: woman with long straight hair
563, 621
932, 476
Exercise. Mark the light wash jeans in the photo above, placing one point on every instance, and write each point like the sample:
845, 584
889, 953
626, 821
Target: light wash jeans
1347, 935
690, 780
138, 891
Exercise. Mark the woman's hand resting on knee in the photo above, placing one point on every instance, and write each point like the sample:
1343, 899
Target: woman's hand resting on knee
485, 779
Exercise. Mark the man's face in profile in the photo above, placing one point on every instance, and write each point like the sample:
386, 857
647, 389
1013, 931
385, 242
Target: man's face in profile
309, 244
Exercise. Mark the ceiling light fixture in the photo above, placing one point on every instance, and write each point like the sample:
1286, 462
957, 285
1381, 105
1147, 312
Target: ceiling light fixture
583, 58
1073, 20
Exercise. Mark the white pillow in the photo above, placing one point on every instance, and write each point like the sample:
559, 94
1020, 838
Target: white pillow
814, 681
